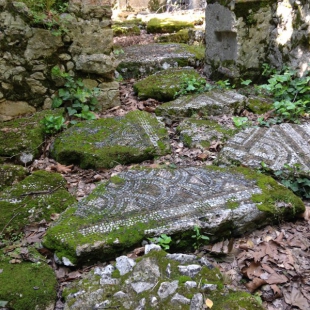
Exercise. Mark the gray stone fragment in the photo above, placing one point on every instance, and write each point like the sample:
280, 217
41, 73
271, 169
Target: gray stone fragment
108, 280
108, 270
196, 302
168, 270
124, 264
190, 284
153, 301
204, 261
120, 295
190, 270
167, 288
209, 287
66, 261
180, 299
140, 287
151, 247
183, 258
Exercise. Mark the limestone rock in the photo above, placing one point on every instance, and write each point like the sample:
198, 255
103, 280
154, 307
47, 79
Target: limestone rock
138, 204
275, 146
32, 207
124, 264
42, 44
211, 103
146, 287
132, 138
96, 63
12, 109
164, 85
142, 60
200, 133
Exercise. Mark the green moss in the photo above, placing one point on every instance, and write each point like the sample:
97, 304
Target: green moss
10, 174
105, 143
125, 29
179, 37
259, 105
164, 85
27, 285
23, 134
156, 25
117, 180
35, 198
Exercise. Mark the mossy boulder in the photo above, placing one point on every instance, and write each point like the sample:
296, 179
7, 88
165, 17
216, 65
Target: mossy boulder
26, 285
164, 85
215, 102
138, 204
259, 105
201, 133
33, 199
10, 174
158, 281
142, 60
105, 143
167, 25
22, 138
125, 29
181, 36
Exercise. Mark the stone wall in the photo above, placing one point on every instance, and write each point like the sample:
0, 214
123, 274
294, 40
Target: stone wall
28, 53
241, 35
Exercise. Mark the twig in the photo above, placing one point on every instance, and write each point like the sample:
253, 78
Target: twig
41, 192
7, 224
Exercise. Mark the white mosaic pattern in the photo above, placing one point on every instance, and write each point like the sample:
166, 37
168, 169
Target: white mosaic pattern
161, 198
275, 146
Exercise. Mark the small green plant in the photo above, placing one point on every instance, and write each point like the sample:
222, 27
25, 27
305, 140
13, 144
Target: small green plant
118, 51
78, 99
245, 82
193, 85
224, 84
269, 122
240, 122
163, 240
291, 94
52, 124
199, 238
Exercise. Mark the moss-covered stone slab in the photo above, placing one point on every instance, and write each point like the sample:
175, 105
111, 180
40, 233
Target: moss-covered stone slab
157, 281
275, 146
10, 174
164, 85
200, 133
167, 25
137, 204
182, 36
142, 60
215, 102
26, 285
33, 199
22, 138
125, 29
105, 143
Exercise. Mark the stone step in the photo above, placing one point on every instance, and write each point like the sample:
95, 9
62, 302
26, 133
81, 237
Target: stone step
141, 60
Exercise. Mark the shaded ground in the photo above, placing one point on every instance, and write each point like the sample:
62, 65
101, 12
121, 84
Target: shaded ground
281, 250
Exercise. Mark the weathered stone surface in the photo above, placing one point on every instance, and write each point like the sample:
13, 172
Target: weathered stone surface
96, 63
12, 109
164, 85
124, 264
276, 146
132, 138
215, 102
10, 174
36, 198
22, 138
140, 203
15, 281
42, 44
142, 60
157, 292
200, 133
108, 96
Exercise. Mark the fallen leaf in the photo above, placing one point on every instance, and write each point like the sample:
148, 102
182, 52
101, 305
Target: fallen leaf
209, 303
54, 216
255, 284
15, 261
61, 168
294, 297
